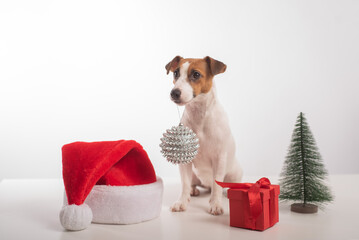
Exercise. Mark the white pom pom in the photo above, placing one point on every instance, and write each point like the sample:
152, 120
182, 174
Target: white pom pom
76, 217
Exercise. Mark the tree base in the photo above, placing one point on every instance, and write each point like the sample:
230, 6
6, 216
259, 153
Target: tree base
304, 208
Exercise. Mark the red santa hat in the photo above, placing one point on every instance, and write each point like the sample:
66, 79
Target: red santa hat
108, 182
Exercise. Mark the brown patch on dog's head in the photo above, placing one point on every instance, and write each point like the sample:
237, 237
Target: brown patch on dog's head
204, 82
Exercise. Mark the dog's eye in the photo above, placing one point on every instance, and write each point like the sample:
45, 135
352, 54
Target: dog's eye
196, 75
176, 73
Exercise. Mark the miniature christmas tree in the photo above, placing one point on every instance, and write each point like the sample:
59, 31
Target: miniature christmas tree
303, 175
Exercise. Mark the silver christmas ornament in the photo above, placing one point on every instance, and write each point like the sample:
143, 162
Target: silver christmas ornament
179, 144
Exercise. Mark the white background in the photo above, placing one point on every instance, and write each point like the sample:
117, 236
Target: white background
94, 70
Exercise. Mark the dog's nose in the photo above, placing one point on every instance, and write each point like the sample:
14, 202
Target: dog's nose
175, 94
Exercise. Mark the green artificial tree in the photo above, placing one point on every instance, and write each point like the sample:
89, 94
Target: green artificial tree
303, 174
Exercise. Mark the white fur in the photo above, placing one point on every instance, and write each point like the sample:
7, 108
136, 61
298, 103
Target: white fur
74, 217
125, 204
216, 158
183, 85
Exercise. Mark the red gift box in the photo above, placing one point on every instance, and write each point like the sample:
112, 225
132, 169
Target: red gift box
253, 206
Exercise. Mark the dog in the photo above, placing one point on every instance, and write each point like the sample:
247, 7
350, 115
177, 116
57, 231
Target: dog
194, 89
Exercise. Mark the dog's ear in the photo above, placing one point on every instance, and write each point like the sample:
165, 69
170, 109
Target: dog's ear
215, 66
171, 66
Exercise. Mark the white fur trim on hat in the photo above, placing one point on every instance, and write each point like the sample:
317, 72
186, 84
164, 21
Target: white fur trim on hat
75, 217
125, 204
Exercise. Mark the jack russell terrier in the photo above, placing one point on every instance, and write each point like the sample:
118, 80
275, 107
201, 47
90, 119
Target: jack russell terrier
193, 87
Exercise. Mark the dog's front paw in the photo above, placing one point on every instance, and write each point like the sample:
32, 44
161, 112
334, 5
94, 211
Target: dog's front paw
179, 206
215, 208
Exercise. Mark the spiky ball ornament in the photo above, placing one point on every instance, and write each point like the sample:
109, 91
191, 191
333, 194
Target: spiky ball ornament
179, 144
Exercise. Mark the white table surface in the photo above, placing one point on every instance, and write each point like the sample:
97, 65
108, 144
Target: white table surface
29, 210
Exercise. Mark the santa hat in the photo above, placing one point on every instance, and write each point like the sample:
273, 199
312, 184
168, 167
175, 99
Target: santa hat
108, 182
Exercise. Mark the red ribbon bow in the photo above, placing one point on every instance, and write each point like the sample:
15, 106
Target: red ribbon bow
255, 204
